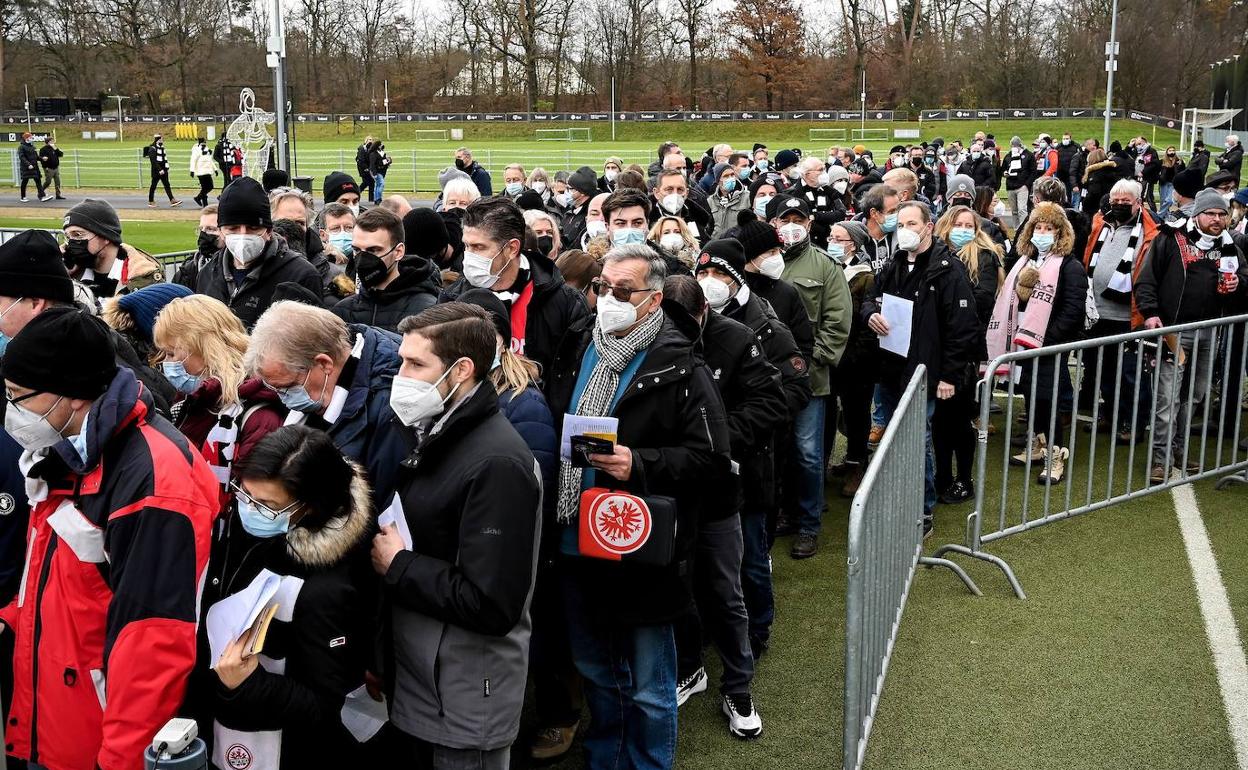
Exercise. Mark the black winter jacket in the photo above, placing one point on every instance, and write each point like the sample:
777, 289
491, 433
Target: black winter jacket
1066, 154
1017, 171
50, 157
553, 309
1178, 293
979, 170
693, 213
672, 418
1233, 161
826, 207
944, 326
413, 289
778, 346
158, 157
1200, 161
29, 158
248, 301
787, 305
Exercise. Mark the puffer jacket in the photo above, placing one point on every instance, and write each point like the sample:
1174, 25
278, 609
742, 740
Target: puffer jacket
105, 621
202, 163
248, 300
414, 289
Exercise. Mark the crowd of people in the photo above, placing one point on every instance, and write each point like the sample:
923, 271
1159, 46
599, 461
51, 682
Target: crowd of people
542, 440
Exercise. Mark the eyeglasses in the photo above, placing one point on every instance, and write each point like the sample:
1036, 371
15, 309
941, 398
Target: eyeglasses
260, 507
285, 389
8, 396
621, 293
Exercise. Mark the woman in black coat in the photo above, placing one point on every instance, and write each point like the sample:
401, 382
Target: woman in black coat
1098, 177
303, 512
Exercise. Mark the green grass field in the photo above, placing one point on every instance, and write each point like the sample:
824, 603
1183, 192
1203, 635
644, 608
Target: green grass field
320, 149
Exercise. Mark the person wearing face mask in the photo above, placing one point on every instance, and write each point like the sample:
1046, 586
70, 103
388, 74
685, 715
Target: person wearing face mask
611, 169
879, 215
978, 167
291, 209
929, 187
393, 283
301, 512
764, 271
208, 242
132, 315
339, 187
1171, 166
1231, 160
246, 272
675, 241
1042, 303
203, 169
378, 164
863, 175
545, 231
762, 190
825, 294
1066, 149
336, 228
670, 195
28, 158
96, 255
825, 195
476, 172
362, 165
727, 198
636, 361
540, 304
513, 181
1117, 250
334, 376
116, 491
159, 160
629, 217
582, 186
944, 324
435, 236
539, 182
1179, 283
1147, 170
458, 595
1018, 168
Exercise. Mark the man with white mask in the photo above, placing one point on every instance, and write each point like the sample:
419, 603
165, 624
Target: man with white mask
541, 305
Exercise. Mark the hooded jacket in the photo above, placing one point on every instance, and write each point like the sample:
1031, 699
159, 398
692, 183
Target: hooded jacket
414, 289
944, 326
318, 644
105, 621
554, 308
459, 600
672, 418
278, 264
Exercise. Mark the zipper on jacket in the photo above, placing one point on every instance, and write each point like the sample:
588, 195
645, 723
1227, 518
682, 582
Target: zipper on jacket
437, 672
706, 423
44, 573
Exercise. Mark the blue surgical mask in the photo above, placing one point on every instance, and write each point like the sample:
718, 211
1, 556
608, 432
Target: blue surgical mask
762, 165
836, 251
342, 242
1042, 241
297, 399
760, 205
729, 185
628, 236
175, 372
890, 223
515, 188
259, 524
4, 343
960, 236
744, 174
498, 360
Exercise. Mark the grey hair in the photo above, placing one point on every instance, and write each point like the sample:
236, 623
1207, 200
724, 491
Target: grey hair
292, 334
333, 210
461, 186
808, 163
1050, 188
1128, 186
656, 268
465, 151
279, 194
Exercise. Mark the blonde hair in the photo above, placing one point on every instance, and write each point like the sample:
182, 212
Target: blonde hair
205, 327
656, 231
514, 373
969, 254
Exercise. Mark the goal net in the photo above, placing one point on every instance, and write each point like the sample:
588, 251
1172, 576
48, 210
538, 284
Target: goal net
433, 135
1196, 120
562, 134
871, 134
827, 135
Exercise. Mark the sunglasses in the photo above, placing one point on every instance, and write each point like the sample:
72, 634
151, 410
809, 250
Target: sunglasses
621, 293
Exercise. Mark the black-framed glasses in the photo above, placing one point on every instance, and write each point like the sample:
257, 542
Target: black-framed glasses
621, 293
8, 396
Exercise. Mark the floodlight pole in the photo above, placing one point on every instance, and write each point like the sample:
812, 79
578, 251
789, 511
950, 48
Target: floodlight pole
613, 108
276, 60
27, 105
1111, 66
386, 102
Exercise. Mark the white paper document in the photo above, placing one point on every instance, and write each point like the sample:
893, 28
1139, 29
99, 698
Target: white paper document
233, 615
362, 716
576, 425
394, 515
898, 313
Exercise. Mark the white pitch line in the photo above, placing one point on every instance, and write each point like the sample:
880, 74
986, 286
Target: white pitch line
1215, 608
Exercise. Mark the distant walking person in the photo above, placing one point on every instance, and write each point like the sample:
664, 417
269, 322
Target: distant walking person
203, 167
50, 158
28, 159
363, 167
155, 154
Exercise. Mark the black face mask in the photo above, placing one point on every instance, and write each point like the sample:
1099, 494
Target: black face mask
78, 254
545, 243
1120, 212
459, 164
207, 243
916, 162
370, 268
960, 202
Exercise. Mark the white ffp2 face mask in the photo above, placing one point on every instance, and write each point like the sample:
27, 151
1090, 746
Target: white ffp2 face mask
614, 315
31, 430
415, 400
673, 202
772, 266
245, 248
672, 241
792, 233
716, 292
908, 240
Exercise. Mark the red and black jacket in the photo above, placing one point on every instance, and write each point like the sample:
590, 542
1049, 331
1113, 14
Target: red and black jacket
105, 616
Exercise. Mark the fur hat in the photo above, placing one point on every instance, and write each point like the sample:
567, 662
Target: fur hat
1052, 214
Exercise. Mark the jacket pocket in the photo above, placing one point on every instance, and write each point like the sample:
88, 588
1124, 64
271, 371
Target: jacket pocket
811, 293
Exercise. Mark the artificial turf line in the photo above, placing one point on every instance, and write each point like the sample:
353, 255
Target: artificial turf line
1215, 608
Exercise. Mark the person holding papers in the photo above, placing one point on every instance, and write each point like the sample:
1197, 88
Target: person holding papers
302, 519
457, 549
923, 308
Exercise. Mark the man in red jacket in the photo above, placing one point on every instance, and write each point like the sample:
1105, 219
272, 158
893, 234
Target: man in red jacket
116, 552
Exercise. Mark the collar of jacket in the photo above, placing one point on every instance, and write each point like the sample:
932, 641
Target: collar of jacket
416, 274
329, 545
124, 404
465, 416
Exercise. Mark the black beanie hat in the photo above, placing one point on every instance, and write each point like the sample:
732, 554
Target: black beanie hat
1188, 182
490, 303
584, 180
424, 233
95, 216
530, 200
65, 351
726, 254
274, 178
296, 292
31, 266
244, 202
757, 238
338, 184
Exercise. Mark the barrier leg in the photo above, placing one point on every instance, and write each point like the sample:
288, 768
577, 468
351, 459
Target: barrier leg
932, 561
997, 561
1232, 480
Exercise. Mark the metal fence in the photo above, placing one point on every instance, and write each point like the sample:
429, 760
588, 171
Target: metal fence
1104, 421
885, 543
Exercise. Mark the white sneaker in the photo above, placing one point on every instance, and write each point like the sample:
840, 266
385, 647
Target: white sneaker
25, 200
743, 718
46, 198
690, 686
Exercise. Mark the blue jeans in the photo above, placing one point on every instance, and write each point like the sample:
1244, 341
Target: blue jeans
881, 412
630, 685
1076, 199
808, 440
1167, 196
379, 186
760, 603
890, 395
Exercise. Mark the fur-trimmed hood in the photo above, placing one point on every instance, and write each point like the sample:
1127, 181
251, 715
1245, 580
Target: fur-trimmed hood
1055, 215
328, 546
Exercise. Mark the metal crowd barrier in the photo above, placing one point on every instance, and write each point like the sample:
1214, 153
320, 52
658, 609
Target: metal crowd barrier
1162, 427
885, 543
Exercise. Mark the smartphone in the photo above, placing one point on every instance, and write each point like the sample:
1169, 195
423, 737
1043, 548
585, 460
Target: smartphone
584, 446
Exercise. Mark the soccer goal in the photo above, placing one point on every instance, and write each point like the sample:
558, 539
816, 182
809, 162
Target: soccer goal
1196, 120
827, 135
563, 134
870, 134
433, 135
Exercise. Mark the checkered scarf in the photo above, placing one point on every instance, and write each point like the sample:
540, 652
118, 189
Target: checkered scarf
1119, 288
614, 356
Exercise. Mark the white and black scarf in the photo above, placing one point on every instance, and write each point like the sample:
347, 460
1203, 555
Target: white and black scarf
614, 356
1119, 288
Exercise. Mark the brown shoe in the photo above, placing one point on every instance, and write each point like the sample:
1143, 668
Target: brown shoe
553, 742
1159, 475
853, 479
877, 435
